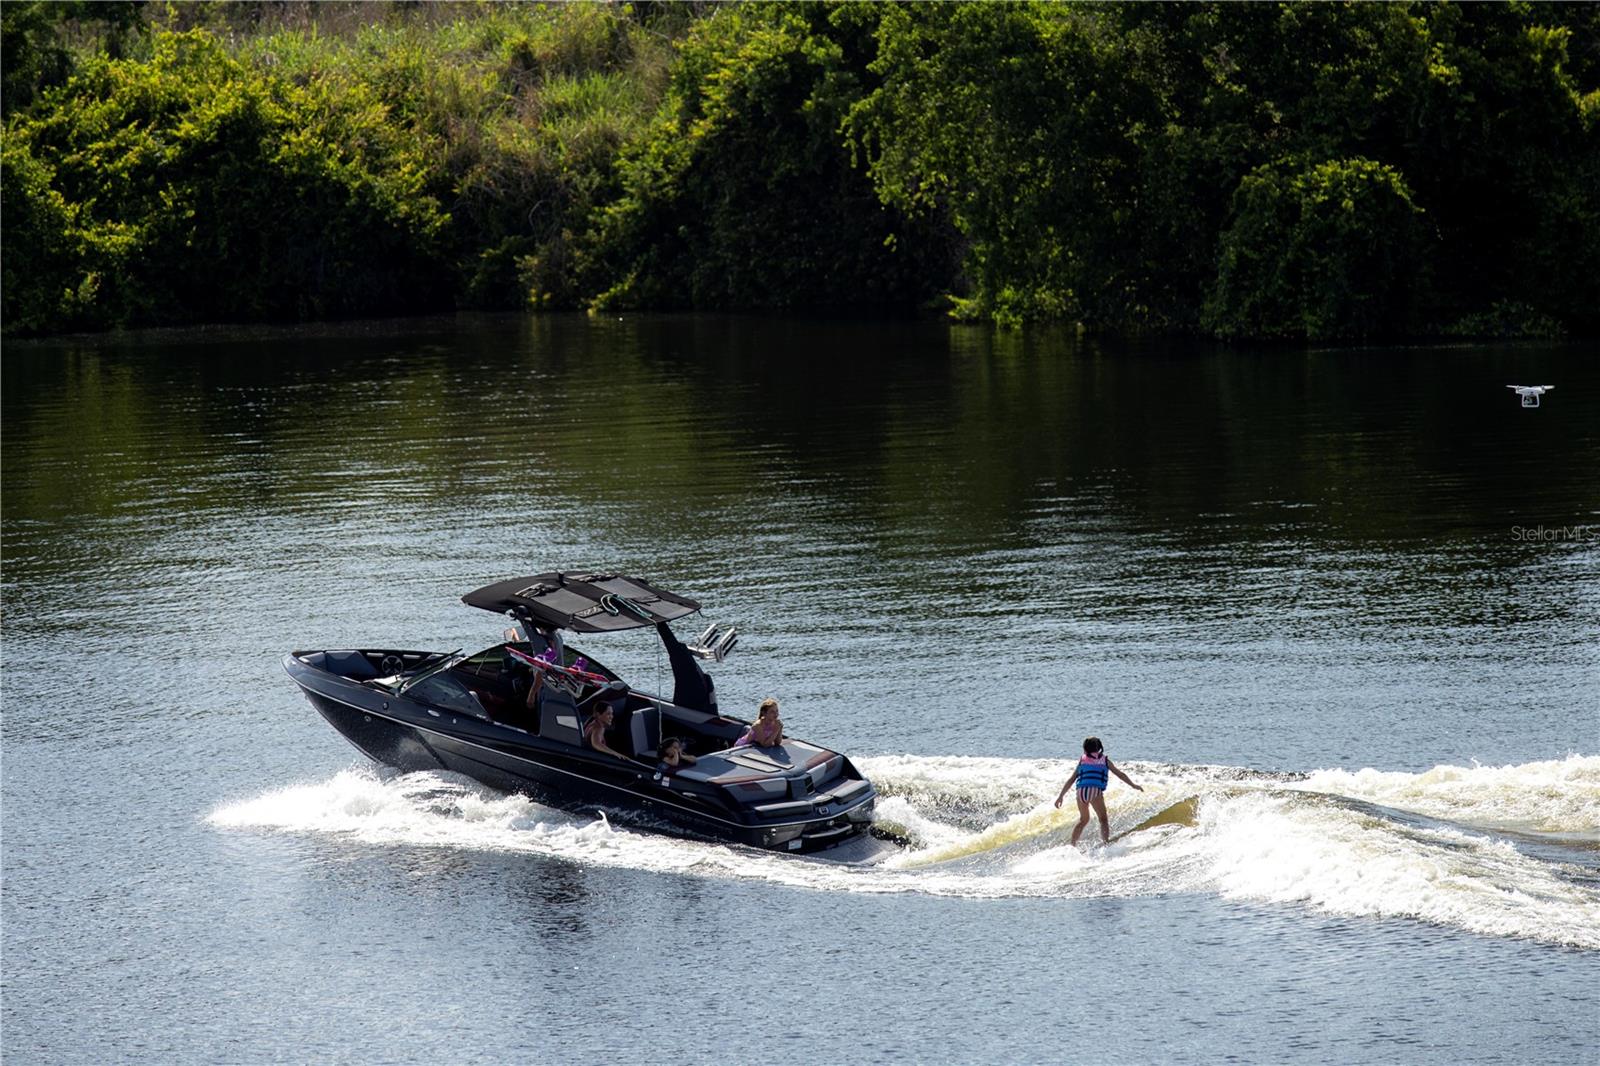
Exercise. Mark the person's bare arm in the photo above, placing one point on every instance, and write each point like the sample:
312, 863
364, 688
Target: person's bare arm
1063, 793
1113, 768
597, 742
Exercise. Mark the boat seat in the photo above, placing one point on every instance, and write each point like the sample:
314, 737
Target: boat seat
351, 664
483, 699
558, 716
645, 727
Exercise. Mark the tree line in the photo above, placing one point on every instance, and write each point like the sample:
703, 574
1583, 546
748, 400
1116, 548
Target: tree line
1303, 172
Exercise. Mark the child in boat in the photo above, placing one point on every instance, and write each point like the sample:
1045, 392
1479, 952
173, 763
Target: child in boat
673, 759
768, 728
594, 734
1091, 778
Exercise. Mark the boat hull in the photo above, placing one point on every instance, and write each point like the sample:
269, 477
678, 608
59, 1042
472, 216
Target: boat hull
391, 732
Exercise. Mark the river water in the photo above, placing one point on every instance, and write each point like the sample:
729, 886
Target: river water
1341, 605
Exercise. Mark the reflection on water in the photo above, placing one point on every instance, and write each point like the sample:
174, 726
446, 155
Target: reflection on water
980, 527
1290, 583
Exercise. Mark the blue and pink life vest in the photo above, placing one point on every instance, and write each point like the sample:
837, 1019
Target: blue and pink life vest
1092, 772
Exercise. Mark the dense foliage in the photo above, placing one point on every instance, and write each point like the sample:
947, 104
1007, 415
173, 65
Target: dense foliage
742, 192
291, 174
1294, 171
209, 186
1297, 170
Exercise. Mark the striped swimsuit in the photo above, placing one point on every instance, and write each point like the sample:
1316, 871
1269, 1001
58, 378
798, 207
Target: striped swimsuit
1091, 776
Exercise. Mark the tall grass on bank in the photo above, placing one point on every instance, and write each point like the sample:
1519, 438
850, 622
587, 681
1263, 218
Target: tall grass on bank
403, 165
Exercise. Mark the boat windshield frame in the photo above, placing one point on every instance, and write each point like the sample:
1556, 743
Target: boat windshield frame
451, 659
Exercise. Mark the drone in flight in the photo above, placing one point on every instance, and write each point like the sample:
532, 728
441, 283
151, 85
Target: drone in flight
1530, 393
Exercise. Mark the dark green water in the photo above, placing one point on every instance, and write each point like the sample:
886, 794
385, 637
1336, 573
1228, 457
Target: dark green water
952, 553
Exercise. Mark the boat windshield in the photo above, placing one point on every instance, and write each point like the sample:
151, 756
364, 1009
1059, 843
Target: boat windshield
437, 668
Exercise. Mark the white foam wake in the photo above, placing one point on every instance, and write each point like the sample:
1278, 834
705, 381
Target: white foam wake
1288, 848
444, 810
1559, 796
985, 828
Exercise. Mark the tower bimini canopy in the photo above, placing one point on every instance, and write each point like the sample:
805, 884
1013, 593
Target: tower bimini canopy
582, 602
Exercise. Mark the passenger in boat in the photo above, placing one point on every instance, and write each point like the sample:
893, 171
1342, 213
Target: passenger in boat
767, 731
673, 759
594, 734
1091, 778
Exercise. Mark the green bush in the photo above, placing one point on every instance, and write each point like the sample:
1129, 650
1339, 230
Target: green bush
1332, 250
39, 273
742, 193
33, 52
1009, 117
521, 111
402, 167
191, 183
1118, 163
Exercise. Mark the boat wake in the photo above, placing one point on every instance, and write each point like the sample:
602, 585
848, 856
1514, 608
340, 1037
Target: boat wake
1503, 851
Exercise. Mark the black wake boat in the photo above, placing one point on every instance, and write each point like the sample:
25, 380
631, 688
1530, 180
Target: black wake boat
513, 717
